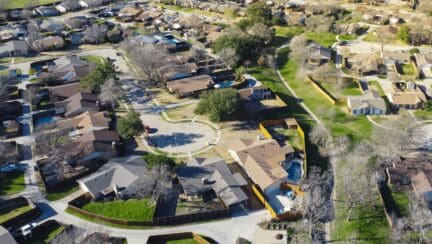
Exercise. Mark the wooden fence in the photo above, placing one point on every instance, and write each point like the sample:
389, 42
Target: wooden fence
19, 220
76, 204
263, 200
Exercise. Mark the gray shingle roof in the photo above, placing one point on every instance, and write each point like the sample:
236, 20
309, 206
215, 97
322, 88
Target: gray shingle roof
121, 172
6, 237
219, 179
369, 99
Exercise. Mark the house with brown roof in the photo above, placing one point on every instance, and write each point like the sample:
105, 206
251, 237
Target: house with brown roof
107, 142
49, 43
412, 174
62, 92
263, 161
77, 104
260, 98
177, 71
190, 86
408, 97
87, 121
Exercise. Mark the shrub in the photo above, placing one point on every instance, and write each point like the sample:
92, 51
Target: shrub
221, 105
130, 125
155, 160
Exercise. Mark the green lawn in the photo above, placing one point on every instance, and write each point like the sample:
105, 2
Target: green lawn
24, 3
347, 37
408, 69
12, 183
61, 192
183, 241
402, 200
45, 235
8, 213
94, 59
349, 88
423, 114
324, 38
135, 210
284, 34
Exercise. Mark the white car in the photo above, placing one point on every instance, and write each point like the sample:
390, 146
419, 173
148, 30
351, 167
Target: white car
28, 227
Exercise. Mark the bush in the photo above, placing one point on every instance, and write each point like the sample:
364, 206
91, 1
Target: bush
221, 105
155, 160
428, 106
403, 34
130, 125
259, 12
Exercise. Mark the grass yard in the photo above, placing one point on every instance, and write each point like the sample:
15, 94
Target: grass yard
349, 88
134, 210
12, 183
402, 200
348, 37
94, 59
24, 3
61, 192
324, 38
183, 241
284, 34
423, 114
8, 213
408, 69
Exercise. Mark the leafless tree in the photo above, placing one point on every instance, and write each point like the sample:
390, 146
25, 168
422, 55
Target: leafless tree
49, 142
317, 205
322, 138
424, 6
326, 73
382, 34
262, 32
420, 220
31, 94
148, 58
4, 87
319, 23
298, 49
229, 56
33, 32
84, 234
95, 34
110, 92
3, 6
156, 182
7, 152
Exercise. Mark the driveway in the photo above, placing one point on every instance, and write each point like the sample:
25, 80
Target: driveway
174, 138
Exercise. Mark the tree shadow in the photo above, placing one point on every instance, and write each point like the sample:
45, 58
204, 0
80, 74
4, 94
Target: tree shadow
175, 139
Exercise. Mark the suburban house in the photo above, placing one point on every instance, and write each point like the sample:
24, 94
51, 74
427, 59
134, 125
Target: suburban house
177, 71
87, 121
203, 175
412, 174
77, 104
6, 237
46, 11
370, 102
260, 98
397, 58
49, 43
116, 176
12, 31
129, 12
14, 48
51, 26
62, 92
10, 128
262, 161
409, 97
77, 22
318, 55
424, 64
362, 63
190, 86
68, 69
106, 142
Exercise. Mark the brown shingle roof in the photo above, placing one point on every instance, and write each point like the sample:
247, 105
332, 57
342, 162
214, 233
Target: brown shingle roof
191, 84
67, 90
90, 120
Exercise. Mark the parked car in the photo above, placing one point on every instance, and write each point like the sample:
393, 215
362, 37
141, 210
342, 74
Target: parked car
8, 168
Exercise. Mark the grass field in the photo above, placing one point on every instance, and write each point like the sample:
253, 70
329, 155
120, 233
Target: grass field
347, 37
350, 87
94, 59
423, 114
402, 200
8, 213
61, 192
135, 210
408, 69
24, 3
12, 183
325, 38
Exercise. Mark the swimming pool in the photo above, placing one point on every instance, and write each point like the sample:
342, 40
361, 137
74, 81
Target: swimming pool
43, 118
294, 171
224, 84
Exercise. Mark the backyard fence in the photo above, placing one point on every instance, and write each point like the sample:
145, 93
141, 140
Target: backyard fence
26, 216
76, 205
324, 92
262, 199
391, 209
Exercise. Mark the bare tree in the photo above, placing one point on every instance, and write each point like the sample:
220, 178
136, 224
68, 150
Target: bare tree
319, 23
7, 152
31, 95
229, 56
322, 138
95, 34
261, 32
33, 32
424, 6
155, 183
148, 58
326, 73
420, 220
298, 49
317, 206
110, 92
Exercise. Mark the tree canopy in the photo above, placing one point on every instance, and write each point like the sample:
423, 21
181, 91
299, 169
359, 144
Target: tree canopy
155, 160
221, 105
259, 12
102, 73
130, 125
